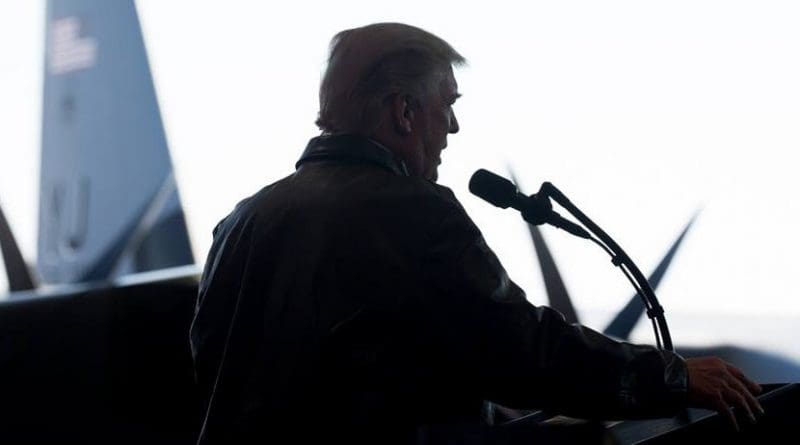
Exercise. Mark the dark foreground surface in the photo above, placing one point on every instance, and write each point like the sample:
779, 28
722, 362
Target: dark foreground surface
112, 365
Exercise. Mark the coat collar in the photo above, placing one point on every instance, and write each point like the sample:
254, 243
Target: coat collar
351, 148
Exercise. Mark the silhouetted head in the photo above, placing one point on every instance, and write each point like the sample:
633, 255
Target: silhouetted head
393, 83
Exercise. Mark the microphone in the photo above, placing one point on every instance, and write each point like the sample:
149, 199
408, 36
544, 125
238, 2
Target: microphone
536, 209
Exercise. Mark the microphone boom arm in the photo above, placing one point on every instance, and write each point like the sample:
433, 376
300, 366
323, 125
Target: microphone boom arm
654, 309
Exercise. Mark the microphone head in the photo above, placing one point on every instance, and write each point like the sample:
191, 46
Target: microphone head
495, 189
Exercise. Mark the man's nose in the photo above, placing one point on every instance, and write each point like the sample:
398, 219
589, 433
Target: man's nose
453, 123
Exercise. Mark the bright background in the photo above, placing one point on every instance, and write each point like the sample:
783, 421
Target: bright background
641, 112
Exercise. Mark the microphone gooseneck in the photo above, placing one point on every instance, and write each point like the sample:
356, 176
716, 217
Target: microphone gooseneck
537, 209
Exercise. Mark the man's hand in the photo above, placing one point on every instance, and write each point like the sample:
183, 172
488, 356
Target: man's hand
718, 385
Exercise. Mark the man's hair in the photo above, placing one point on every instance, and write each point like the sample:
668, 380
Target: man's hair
368, 65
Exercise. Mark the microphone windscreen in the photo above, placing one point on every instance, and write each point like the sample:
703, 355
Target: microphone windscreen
495, 189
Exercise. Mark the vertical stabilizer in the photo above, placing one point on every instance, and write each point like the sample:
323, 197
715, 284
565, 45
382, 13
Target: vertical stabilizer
622, 325
557, 294
108, 200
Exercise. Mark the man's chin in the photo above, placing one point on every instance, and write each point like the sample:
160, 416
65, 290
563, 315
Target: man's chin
433, 170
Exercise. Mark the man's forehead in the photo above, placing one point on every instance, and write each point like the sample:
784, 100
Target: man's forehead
450, 86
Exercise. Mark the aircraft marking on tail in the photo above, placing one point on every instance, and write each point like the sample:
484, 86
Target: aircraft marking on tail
69, 50
68, 214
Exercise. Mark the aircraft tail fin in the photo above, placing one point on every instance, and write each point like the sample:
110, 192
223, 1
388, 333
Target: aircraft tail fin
109, 204
557, 294
622, 325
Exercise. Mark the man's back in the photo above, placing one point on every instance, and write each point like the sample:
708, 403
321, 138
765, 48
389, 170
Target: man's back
312, 307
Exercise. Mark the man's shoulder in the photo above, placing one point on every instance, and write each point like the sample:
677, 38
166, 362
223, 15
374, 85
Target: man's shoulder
352, 185
417, 195
366, 196
423, 188
247, 208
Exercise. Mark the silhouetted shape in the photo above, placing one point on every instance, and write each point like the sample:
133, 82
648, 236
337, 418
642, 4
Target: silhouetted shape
623, 323
19, 276
557, 294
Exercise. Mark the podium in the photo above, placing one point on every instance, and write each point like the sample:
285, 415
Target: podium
780, 424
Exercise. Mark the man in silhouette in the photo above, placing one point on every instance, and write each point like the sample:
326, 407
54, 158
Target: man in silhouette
355, 298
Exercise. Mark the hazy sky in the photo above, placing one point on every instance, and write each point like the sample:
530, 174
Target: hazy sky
641, 112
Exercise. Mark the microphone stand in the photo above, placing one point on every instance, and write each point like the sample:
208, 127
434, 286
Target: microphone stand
620, 259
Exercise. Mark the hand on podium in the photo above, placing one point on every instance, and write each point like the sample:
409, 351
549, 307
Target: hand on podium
718, 385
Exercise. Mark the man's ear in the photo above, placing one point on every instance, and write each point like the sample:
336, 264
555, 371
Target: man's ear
402, 113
